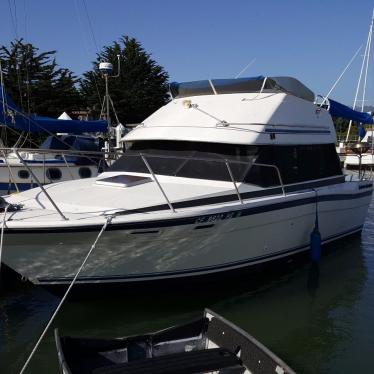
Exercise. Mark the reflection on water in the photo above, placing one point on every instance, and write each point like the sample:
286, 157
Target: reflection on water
318, 318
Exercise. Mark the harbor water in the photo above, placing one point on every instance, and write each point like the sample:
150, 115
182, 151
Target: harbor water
318, 319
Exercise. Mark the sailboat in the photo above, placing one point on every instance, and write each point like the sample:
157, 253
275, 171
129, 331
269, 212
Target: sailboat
360, 152
66, 154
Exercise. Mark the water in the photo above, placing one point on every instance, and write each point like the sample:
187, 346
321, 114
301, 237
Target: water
318, 320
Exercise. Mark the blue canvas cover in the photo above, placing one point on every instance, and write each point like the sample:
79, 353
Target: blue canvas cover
11, 116
339, 110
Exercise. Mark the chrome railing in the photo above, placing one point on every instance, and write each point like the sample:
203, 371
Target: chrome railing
145, 158
98, 158
225, 161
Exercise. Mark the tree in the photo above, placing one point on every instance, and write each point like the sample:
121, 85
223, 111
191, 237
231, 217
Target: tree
35, 82
140, 89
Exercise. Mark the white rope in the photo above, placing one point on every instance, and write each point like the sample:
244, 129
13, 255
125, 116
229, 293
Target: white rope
340, 76
65, 295
245, 68
2, 233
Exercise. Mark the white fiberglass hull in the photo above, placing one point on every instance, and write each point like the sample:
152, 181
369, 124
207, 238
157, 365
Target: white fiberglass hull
367, 159
233, 237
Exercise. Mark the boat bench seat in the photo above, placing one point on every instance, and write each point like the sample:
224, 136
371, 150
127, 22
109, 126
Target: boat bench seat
178, 363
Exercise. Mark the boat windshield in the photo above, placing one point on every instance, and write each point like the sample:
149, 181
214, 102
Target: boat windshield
221, 86
252, 164
241, 85
194, 160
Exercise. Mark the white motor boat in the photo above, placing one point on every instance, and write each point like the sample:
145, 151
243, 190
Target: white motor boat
229, 175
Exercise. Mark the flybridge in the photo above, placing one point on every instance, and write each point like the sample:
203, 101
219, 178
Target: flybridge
242, 85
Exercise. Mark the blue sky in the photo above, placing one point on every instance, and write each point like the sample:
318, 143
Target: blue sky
310, 40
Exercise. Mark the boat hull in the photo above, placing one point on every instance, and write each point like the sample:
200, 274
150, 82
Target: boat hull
226, 241
9, 182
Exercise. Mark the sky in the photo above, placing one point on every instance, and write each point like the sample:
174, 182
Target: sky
309, 40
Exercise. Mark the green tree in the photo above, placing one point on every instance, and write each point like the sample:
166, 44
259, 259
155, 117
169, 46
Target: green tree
35, 81
140, 89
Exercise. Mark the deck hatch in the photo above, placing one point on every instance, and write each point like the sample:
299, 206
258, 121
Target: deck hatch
123, 180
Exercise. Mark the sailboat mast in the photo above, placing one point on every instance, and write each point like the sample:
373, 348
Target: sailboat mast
367, 63
365, 59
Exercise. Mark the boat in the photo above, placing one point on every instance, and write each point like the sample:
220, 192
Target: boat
229, 176
59, 158
352, 154
205, 345
361, 154
68, 152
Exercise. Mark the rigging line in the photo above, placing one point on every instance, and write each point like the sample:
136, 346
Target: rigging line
90, 25
14, 23
2, 231
359, 80
80, 21
25, 10
44, 129
340, 76
15, 17
108, 220
245, 68
366, 68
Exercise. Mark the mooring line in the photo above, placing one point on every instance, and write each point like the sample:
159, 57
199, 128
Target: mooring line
2, 233
108, 220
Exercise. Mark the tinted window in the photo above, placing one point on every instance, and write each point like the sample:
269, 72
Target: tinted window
303, 162
23, 174
207, 161
85, 172
188, 159
53, 174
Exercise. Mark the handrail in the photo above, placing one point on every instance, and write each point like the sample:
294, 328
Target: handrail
67, 166
158, 183
233, 181
225, 161
278, 173
69, 152
40, 185
10, 171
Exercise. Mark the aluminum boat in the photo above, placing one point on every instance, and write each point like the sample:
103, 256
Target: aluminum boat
210, 344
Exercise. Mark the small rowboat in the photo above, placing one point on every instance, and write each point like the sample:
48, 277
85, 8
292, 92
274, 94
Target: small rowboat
210, 344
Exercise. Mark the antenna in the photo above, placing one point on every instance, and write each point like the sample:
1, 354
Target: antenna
106, 69
245, 68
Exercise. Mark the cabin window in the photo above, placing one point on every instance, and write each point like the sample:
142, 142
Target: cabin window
206, 161
188, 159
53, 174
303, 162
24, 174
85, 172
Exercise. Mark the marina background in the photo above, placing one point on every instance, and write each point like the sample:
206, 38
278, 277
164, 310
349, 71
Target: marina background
317, 318
312, 41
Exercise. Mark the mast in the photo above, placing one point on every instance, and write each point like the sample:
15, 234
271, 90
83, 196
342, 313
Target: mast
365, 61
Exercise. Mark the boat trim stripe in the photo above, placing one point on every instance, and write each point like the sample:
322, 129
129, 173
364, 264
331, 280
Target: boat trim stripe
194, 219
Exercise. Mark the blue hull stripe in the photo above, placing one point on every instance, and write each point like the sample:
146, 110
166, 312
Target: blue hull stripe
10, 187
217, 268
284, 131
